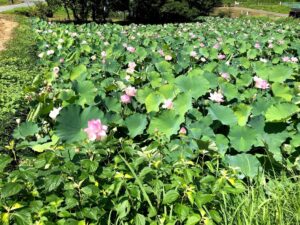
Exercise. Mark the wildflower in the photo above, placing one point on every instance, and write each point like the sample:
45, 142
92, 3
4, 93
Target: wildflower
130, 70
203, 59
202, 45
106, 43
54, 113
221, 56
182, 131
96, 130
94, 57
130, 91
161, 52
168, 57
216, 97
41, 55
61, 60
216, 46
18, 121
103, 54
260, 83
56, 70
50, 52
193, 54
125, 99
270, 45
168, 104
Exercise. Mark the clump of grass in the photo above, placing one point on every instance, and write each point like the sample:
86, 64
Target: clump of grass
276, 201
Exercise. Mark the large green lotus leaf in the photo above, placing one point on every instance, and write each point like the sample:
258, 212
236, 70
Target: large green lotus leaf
242, 113
153, 101
248, 164
164, 67
242, 138
25, 130
78, 71
87, 92
280, 73
143, 93
167, 123
141, 52
222, 143
194, 82
201, 128
155, 79
282, 91
136, 124
71, 122
183, 103
230, 91
274, 142
169, 91
113, 104
281, 112
261, 106
222, 113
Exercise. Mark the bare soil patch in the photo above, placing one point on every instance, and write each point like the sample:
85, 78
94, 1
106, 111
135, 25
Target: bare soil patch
7, 26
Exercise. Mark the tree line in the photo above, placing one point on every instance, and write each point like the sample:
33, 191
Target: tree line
145, 11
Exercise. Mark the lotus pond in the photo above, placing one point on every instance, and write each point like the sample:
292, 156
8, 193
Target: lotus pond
152, 124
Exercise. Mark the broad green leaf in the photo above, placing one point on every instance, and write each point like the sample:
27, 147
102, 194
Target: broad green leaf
5, 160
193, 219
282, 91
280, 73
22, 217
136, 124
194, 82
25, 130
10, 189
242, 112
242, 138
222, 113
139, 219
167, 123
87, 92
170, 196
248, 164
281, 112
78, 71
183, 103
153, 101
164, 67
53, 181
169, 91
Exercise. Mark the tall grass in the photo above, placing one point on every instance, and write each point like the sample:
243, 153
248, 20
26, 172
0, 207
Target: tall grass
273, 202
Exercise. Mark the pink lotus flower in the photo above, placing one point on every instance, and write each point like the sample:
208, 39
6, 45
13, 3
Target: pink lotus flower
130, 91
270, 45
54, 113
202, 45
168, 57
61, 60
257, 46
193, 54
216, 46
226, 76
125, 99
161, 52
260, 83
132, 65
294, 59
286, 59
50, 52
168, 104
221, 56
130, 70
216, 97
96, 130
182, 131
131, 49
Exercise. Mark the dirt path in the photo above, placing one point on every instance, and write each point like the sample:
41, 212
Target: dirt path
238, 11
6, 29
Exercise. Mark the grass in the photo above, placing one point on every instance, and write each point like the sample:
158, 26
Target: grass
17, 69
6, 2
268, 7
265, 203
